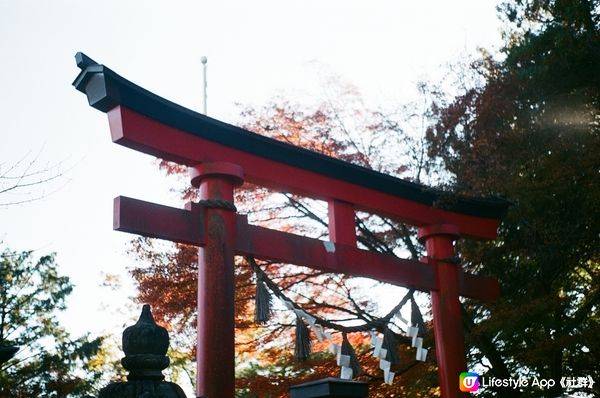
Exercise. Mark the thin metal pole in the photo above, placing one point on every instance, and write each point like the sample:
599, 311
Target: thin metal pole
204, 60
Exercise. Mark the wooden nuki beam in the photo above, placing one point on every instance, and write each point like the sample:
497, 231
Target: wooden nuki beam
327, 256
158, 221
185, 226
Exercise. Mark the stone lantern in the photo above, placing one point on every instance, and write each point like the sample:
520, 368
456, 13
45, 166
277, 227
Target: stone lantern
145, 345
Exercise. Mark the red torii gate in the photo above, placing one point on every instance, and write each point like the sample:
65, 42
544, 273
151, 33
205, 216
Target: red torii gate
221, 156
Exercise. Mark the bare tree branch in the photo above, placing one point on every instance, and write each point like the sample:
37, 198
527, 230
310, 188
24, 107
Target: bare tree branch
16, 179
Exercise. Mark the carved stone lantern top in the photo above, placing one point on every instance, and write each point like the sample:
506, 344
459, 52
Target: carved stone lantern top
145, 345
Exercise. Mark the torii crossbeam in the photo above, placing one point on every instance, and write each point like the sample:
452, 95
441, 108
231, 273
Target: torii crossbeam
221, 156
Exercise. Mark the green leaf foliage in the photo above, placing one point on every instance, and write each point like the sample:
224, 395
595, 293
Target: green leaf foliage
531, 133
49, 363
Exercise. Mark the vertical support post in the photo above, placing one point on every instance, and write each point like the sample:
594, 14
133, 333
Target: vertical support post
342, 228
447, 317
216, 336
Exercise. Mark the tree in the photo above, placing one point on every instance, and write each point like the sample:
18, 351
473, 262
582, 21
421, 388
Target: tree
529, 129
49, 363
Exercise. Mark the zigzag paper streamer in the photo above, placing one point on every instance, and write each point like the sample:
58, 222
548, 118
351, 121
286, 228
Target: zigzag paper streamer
417, 342
381, 353
377, 344
319, 332
343, 360
334, 348
388, 377
385, 365
346, 373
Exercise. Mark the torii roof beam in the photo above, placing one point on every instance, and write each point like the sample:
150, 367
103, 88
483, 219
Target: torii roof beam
148, 123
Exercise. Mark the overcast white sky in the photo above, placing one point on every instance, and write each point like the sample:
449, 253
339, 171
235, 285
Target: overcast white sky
255, 49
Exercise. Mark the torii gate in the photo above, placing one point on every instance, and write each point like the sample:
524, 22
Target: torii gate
221, 156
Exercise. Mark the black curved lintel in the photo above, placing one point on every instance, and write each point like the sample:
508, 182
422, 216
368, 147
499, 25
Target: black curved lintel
105, 90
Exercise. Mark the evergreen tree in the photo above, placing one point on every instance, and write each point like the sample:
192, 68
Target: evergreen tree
49, 363
531, 132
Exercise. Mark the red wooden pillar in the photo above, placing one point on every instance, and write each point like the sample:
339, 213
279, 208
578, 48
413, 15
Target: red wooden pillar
447, 317
215, 349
